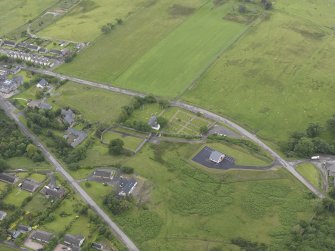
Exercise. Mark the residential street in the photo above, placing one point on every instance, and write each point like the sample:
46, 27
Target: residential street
195, 109
11, 112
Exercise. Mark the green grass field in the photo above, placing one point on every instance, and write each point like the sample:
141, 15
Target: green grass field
311, 173
25, 163
16, 197
88, 17
96, 105
174, 63
112, 54
274, 79
189, 207
38, 177
130, 142
16, 13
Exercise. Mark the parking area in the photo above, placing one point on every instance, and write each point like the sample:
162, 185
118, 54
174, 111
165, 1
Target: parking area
202, 158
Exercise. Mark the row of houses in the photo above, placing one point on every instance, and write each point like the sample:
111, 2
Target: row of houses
32, 58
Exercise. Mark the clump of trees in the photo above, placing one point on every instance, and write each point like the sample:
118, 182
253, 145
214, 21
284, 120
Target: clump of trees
118, 205
115, 147
107, 28
249, 245
308, 143
267, 4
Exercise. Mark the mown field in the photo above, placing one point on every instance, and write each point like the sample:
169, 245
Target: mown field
278, 78
192, 209
112, 54
16, 13
84, 22
311, 173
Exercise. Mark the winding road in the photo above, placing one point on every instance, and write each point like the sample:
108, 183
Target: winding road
11, 112
194, 109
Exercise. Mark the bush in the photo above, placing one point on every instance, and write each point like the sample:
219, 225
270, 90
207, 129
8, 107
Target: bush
116, 147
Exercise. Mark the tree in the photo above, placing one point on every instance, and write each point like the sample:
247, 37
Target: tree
305, 147
116, 147
313, 130
331, 124
3, 165
203, 130
106, 29
162, 122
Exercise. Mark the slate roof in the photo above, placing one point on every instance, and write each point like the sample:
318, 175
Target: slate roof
23, 228
41, 236
43, 83
68, 116
75, 137
9, 43
53, 192
8, 178
127, 186
152, 121
29, 185
74, 240
106, 174
216, 156
39, 104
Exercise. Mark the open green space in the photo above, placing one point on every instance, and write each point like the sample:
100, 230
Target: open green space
16, 13
277, 84
112, 54
16, 196
188, 207
84, 22
130, 142
96, 105
311, 173
6, 248
174, 63
38, 177
25, 163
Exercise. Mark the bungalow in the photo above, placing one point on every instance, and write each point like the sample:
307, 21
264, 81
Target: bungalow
153, 123
38, 104
8, 178
42, 84
54, 192
41, 236
126, 186
104, 174
2, 215
29, 185
68, 116
75, 137
74, 240
216, 157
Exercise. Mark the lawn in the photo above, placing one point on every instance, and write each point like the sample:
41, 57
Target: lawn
37, 177
130, 142
16, 197
311, 173
16, 13
84, 22
96, 105
277, 84
188, 207
25, 163
174, 63
112, 54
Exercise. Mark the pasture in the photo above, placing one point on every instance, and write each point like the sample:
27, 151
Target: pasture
130, 142
94, 104
25, 163
16, 13
84, 21
311, 173
189, 207
176, 61
277, 84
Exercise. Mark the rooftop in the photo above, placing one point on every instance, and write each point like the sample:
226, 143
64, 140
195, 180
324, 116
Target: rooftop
74, 240
29, 185
8, 178
41, 236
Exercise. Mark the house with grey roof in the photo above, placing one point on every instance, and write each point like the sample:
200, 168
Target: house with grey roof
10, 85
29, 185
68, 116
8, 178
216, 157
127, 186
23, 228
42, 84
3, 215
38, 104
74, 240
104, 174
153, 123
74, 137
33, 47
9, 43
41, 236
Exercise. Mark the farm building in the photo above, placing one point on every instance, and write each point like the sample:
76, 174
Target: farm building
216, 157
153, 123
29, 185
75, 137
8, 178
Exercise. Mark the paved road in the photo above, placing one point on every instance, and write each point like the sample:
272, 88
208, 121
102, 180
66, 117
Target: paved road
11, 112
204, 113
